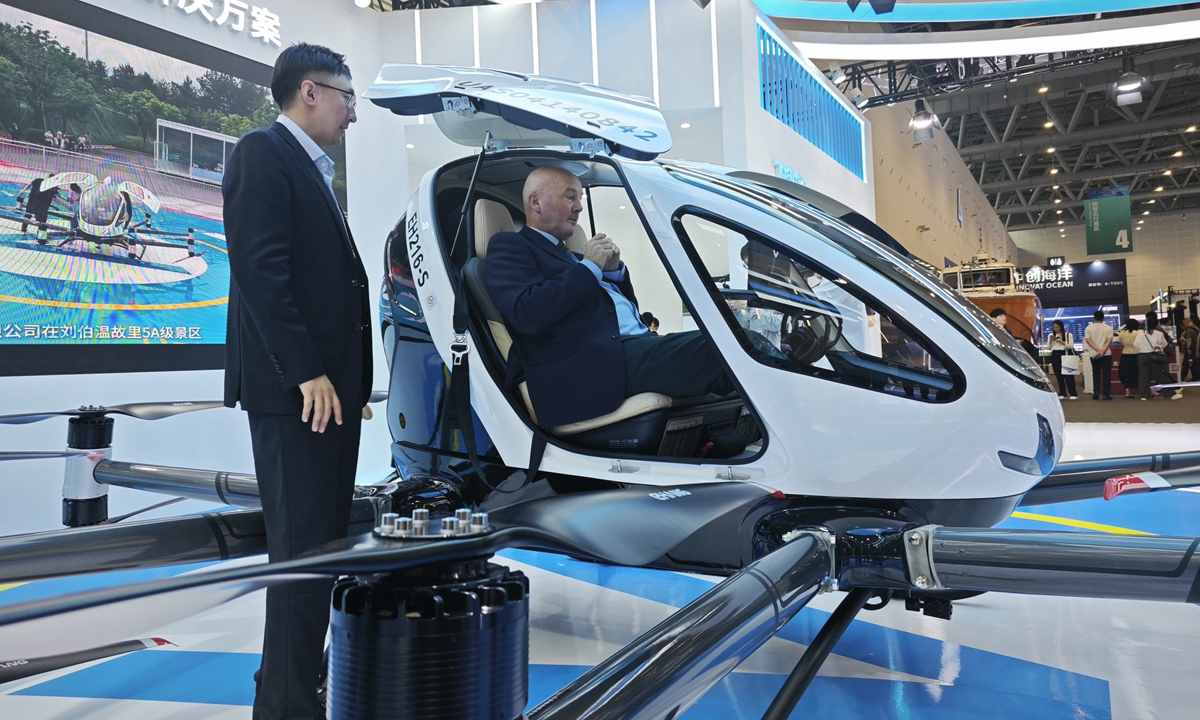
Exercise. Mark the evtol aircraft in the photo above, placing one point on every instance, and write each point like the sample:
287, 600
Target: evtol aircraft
880, 429
76, 207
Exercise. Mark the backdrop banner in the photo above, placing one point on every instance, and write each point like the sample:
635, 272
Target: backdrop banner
1099, 281
1106, 217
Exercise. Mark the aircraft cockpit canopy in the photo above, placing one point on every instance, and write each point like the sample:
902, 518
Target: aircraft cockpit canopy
103, 206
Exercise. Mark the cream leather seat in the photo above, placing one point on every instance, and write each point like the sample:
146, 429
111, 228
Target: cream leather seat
489, 218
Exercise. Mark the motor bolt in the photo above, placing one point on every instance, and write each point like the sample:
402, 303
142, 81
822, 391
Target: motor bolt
404, 527
420, 519
387, 526
921, 582
479, 522
462, 517
449, 527
914, 539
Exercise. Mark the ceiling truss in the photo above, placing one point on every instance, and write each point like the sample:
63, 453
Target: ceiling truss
1038, 132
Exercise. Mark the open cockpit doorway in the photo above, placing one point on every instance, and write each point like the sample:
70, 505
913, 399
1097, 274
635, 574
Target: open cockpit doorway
691, 429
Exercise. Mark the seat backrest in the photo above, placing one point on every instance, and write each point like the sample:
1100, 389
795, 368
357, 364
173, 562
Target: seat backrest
490, 218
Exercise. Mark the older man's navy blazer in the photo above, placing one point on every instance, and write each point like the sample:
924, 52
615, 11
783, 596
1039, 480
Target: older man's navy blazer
298, 299
567, 346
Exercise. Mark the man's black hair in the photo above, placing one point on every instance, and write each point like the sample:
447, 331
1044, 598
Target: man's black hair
297, 64
1098, 316
998, 312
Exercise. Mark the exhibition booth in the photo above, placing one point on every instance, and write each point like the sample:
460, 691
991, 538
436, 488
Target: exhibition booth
865, 252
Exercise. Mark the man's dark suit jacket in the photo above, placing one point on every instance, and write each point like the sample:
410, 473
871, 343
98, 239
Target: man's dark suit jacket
564, 328
298, 299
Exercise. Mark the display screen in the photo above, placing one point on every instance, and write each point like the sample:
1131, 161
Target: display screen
1076, 319
110, 200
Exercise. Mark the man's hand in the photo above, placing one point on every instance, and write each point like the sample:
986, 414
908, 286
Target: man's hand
320, 400
599, 250
614, 260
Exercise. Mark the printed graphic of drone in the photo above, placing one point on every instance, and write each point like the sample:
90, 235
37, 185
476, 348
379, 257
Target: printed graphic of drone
880, 429
73, 207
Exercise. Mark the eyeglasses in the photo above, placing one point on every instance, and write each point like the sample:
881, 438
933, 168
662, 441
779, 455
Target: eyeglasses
351, 99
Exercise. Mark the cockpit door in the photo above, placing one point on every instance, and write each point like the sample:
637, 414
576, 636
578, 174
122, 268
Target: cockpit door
523, 110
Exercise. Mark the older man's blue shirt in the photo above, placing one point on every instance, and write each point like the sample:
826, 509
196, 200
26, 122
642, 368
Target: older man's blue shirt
628, 321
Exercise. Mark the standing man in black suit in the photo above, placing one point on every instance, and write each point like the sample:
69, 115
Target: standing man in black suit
298, 352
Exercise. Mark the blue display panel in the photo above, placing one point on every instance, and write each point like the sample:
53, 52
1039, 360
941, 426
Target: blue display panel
789, 90
112, 246
105, 237
1076, 318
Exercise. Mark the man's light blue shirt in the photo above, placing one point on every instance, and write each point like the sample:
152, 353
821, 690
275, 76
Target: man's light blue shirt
628, 321
319, 158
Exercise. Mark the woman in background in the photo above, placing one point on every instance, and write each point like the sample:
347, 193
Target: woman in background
1152, 358
1060, 342
1127, 371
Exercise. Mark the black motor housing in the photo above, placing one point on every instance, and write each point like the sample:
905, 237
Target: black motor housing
439, 643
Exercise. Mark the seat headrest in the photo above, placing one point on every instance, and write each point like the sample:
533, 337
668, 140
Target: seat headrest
490, 218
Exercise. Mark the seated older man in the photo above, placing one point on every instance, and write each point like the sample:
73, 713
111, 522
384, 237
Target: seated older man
580, 344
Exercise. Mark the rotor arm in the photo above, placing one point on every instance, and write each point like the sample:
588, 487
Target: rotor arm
1036, 562
208, 485
1090, 479
674, 664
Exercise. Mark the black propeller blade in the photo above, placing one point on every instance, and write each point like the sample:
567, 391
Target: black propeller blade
126, 516
18, 668
142, 411
85, 620
39, 454
622, 527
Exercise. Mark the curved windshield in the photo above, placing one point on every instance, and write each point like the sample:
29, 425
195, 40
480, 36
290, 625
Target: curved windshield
103, 205
960, 312
790, 313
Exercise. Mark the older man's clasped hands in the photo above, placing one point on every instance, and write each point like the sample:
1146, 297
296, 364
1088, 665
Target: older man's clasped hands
604, 252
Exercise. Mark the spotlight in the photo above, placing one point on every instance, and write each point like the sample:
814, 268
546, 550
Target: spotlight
1050, 150
1057, 200
410, 146
1058, 212
856, 96
1145, 212
363, 3
1055, 187
1178, 153
1191, 128
1141, 221
923, 124
1149, 202
1053, 171
1060, 222
1048, 124
1128, 89
685, 126
1043, 90
836, 73
1158, 189
1168, 172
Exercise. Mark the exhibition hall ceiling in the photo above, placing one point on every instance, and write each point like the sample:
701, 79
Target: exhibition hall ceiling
1039, 129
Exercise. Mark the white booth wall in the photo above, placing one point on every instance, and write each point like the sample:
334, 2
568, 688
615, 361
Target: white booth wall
663, 49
